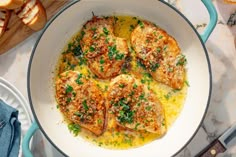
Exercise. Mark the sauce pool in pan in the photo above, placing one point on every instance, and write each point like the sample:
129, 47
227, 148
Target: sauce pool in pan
171, 99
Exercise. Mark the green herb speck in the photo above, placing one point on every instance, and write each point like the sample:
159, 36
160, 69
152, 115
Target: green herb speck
187, 83
140, 23
102, 61
74, 128
69, 89
158, 49
105, 31
91, 49
85, 106
148, 108
121, 85
135, 86
78, 81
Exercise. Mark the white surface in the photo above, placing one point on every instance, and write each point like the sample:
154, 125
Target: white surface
11, 96
66, 25
222, 52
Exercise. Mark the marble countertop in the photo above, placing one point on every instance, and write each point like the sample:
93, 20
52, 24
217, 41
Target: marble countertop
221, 47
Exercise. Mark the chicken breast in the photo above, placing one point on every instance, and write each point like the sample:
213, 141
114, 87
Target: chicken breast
134, 106
160, 54
110, 63
104, 51
81, 101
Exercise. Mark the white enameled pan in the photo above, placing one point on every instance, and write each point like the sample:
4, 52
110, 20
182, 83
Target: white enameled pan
69, 21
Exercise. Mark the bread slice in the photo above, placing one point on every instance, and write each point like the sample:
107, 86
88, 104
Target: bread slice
11, 4
231, 1
32, 14
4, 19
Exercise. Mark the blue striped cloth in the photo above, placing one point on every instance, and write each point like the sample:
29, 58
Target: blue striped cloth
10, 131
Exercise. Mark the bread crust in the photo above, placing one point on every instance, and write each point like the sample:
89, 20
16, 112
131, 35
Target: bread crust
32, 14
5, 15
40, 20
12, 4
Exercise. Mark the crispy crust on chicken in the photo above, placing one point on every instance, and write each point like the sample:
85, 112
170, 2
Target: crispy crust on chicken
104, 51
134, 106
81, 101
160, 54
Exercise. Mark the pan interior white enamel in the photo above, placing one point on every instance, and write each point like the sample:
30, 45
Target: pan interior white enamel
67, 24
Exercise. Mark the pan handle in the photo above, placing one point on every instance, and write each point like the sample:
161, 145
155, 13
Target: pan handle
213, 20
25, 144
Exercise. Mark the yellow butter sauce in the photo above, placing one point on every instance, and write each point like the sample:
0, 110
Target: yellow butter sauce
172, 100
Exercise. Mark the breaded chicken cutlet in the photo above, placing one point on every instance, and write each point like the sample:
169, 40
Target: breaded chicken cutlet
160, 54
81, 101
104, 51
135, 106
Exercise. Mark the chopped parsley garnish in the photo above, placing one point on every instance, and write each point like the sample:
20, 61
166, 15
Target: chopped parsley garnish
135, 86
114, 53
102, 61
165, 47
74, 47
148, 108
143, 81
140, 23
74, 128
93, 28
131, 93
140, 64
99, 121
107, 40
131, 28
121, 85
69, 89
78, 81
82, 60
101, 68
85, 106
170, 69
77, 51
158, 49
154, 67
181, 60
147, 75
100, 144
187, 83
91, 49
136, 126
160, 37
119, 56
142, 97
72, 66
125, 115
105, 31
68, 100
106, 87
82, 33
79, 114
167, 96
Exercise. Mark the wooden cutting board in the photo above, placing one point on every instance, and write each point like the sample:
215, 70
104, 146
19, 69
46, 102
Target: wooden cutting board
18, 32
